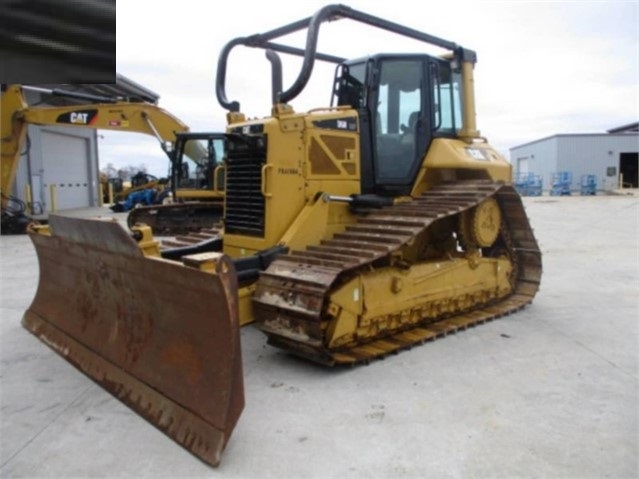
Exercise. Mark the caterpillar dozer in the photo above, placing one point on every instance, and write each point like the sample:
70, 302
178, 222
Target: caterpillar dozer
350, 232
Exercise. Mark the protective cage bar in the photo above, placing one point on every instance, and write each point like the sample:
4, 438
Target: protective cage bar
310, 53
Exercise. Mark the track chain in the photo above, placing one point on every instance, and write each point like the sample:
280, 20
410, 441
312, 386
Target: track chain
177, 218
295, 287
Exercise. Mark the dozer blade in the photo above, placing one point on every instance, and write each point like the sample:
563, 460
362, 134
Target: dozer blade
162, 337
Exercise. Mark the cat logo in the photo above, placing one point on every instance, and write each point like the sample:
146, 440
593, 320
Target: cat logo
78, 117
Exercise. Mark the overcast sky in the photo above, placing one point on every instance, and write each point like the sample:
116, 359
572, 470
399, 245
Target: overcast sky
543, 67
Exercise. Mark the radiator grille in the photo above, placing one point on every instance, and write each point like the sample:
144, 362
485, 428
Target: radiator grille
244, 201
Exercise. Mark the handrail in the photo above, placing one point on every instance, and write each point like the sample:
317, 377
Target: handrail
263, 181
216, 177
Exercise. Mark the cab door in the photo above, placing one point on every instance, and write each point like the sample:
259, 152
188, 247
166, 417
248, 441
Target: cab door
401, 121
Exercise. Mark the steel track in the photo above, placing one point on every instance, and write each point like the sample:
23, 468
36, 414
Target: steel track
177, 218
290, 299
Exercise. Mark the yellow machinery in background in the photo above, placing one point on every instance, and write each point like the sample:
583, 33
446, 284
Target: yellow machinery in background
197, 187
351, 231
103, 113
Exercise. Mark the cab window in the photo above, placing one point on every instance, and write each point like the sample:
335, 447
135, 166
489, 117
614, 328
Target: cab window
397, 114
349, 85
199, 160
446, 98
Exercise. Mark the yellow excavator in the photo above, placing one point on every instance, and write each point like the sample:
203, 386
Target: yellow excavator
350, 232
197, 187
192, 156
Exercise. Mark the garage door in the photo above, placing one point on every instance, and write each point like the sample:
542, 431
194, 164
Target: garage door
66, 165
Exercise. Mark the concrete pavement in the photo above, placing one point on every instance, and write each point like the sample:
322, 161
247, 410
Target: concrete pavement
551, 391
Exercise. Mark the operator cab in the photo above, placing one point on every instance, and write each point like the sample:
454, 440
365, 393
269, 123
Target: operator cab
195, 157
403, 101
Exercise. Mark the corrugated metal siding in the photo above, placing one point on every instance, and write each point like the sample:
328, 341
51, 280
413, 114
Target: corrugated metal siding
589, 154
593, 155
542, 158
34, 164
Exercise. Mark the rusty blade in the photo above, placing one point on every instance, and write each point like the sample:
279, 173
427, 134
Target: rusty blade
161, 337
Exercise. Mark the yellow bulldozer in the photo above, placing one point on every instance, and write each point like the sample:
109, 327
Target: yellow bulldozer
350, 232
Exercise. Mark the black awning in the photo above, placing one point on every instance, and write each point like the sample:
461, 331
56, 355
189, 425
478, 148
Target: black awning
122, 89
45, 41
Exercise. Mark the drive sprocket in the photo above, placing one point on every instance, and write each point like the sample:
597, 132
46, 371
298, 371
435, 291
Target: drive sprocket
480, 225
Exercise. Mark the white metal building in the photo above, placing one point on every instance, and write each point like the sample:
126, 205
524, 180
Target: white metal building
613, 157
66, 157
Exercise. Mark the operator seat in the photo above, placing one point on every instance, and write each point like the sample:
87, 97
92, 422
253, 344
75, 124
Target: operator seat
409, 132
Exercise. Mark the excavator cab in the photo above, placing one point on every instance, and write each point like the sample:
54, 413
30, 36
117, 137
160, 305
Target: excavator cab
198, 171
197, 187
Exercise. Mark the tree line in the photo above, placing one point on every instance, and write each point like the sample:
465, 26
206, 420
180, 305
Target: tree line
125, 173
